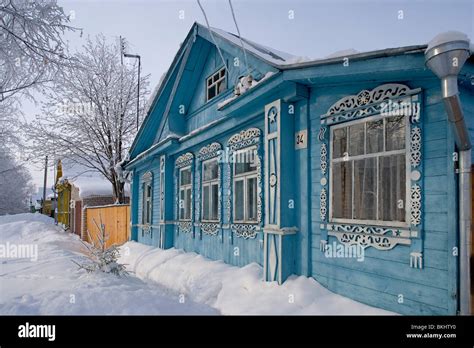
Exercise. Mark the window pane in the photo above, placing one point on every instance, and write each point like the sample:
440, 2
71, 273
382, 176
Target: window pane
148, 212
339, 141
214, 201
239, 200
395, 133
375, 136
356, 139
205, 203
210, 170
252, 199
211, 92
245, 161
392, 188
220, 86
342, 190
365, 190
188, 204
186, 176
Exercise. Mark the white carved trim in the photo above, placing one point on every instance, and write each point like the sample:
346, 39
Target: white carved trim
366, 103
184, 160
376, 230
185, 226
324, 163
323, 204
415, 199
365, 97
147, 176
416, 260
243, 139
210, 228
415, 146
209, 151
245, 231
369, 240
382, 238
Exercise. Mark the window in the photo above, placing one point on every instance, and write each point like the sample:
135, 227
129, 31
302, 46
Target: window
162, 188
368, 171
146, 204
245, 185
216, 84
185, 187
210, 190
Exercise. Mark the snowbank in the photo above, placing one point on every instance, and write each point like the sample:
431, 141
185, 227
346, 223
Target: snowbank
234, 290
26, 217
53, 285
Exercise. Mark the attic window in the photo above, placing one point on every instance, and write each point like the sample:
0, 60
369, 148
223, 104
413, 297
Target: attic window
216, 84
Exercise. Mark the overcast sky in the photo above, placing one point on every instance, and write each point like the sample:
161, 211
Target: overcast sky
155, 28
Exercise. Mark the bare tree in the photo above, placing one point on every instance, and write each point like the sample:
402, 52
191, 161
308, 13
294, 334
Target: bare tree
31, 44
90, 113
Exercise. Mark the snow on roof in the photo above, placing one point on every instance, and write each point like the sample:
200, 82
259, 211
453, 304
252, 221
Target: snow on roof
342, 53
447, 36
153, 95
273, 56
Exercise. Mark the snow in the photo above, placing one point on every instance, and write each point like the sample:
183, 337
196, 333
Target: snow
447, 36
342, 53
234, 290
53, 285
271, 55
161, 279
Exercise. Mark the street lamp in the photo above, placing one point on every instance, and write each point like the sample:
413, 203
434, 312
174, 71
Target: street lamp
136, 56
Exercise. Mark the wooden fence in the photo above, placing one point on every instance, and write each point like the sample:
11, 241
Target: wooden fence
114, 218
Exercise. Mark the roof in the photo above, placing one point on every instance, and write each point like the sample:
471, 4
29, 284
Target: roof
275, 58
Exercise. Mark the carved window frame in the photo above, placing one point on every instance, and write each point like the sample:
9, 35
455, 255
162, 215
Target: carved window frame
209, 152
183, 161
147, 201
382, 100
251, 137
162, 188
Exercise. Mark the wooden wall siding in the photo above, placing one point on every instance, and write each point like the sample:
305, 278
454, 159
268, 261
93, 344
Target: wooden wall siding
384, 275
225, 245
115, 220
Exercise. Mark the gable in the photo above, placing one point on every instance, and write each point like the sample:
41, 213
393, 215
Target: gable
180, 104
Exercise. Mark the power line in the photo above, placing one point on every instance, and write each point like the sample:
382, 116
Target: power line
240, 37
212, 36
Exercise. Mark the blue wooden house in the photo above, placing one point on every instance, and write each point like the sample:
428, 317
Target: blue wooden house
353, 170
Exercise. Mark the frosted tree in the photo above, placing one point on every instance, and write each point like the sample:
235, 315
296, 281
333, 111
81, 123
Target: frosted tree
15, 184
101, 258
32, 49
90, 114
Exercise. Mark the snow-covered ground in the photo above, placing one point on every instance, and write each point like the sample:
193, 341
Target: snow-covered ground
162, 281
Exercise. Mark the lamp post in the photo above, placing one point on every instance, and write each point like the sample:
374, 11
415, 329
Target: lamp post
136, 56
